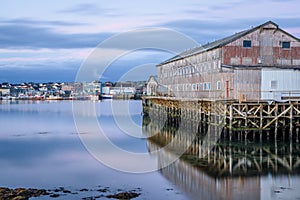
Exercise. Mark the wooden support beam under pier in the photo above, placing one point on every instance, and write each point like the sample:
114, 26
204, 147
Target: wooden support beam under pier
234, 115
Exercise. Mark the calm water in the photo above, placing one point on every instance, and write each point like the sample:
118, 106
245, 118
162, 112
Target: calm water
40, 147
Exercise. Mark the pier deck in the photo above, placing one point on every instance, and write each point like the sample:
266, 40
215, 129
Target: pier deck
234, 115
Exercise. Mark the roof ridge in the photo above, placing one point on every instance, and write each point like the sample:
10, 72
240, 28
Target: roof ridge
221, 42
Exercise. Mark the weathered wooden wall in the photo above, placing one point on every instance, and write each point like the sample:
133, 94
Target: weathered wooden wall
247, 84
266, 49
216, 73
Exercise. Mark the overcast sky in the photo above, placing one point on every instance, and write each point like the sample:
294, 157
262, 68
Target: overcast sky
49, 40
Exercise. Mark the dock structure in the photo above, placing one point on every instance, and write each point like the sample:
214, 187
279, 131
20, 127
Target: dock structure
234, 115
248, 81
260, 63
212, 146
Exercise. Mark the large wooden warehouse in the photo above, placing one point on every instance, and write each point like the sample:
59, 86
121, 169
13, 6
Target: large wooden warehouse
261, 63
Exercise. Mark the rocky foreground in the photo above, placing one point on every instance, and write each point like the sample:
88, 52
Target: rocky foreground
27, 193
20, 193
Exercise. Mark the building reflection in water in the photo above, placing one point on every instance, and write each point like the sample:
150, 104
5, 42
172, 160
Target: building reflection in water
216, 165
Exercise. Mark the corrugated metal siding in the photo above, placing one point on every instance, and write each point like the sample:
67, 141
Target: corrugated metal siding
186, 77
247, 84
266, 46
276, 84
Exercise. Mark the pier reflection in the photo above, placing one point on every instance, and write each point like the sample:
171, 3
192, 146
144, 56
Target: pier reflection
219, 164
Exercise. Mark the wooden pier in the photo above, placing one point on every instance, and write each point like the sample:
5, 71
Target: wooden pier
225, 138
234, 115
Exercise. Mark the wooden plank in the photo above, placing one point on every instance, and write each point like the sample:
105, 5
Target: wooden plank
258, 109
253, 108
298, 111
253, 123
283, 113
239, 112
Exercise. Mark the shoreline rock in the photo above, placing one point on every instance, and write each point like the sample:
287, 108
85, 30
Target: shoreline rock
27, 193
124, 195
20, 193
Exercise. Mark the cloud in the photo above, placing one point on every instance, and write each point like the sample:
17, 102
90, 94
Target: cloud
39, 72
136, 65
88, 9
205, 31
21, 36
283, 0
288, 22
27, 21
225, 6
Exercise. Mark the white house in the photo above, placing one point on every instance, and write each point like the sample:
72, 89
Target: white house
152, 86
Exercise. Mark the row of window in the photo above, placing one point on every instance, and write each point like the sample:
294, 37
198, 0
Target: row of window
185, 70
284, 44
197, 86
189, 70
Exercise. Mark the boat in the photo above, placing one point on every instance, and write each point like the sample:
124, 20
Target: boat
23, 96
106, 96
51, 97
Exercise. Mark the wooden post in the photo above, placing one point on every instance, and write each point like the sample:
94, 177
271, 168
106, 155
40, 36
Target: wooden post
230, 121
260, 136
290, 153
291, 121
260, 122
230, 158
246, 116
276, 122
230, 116
276, 154
297, 135
283, 123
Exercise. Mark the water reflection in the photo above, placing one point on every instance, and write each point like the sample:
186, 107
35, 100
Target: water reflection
40, 148
219, 164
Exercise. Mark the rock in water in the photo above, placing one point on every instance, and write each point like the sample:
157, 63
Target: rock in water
124, 195
20, 193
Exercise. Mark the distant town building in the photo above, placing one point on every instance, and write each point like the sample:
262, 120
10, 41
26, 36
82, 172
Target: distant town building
106, 90
72, 91
93, 88
152, 86
259, 63
4, 91
123, 88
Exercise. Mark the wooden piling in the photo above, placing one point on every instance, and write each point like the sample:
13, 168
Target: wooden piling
236, 116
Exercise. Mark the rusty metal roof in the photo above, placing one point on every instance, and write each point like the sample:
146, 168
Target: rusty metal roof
220, 43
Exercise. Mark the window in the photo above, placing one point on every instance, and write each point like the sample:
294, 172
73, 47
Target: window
286, 45
194, 87
218, 85
247, 43
199, 86
206, 86
273, 84
180, 72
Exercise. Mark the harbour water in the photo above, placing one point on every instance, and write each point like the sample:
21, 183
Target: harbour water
41, 147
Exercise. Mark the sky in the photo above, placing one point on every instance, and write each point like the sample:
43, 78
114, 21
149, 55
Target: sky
50, 41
